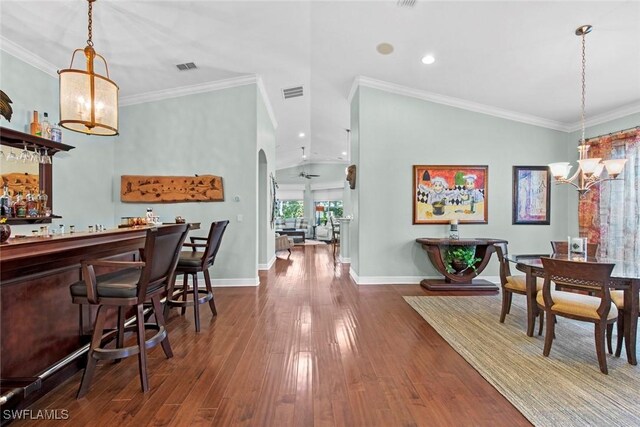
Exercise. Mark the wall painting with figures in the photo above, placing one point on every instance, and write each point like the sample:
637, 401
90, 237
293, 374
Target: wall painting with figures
445, 193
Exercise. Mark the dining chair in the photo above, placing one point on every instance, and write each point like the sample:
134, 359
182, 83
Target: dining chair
335, 234
511, 284
130, 286
192, 262
617, 297
599, 310
562, 247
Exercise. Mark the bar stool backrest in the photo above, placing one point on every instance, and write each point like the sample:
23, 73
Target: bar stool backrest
213, 242
161, 252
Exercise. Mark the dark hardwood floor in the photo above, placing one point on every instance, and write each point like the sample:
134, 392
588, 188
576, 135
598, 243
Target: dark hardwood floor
306, 348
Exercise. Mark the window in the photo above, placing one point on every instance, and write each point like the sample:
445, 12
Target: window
325, 209
290, 208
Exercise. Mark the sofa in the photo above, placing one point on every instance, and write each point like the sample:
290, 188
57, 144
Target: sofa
293, 224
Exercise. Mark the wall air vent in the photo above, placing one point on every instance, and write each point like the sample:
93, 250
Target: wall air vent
186, 66
292, 92
406, 3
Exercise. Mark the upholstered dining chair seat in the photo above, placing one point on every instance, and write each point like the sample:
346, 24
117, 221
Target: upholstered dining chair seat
190, 259
618, 298
577, 304
118, 284
519, 283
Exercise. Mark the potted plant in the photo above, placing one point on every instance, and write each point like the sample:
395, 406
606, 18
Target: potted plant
459, 258
5, 230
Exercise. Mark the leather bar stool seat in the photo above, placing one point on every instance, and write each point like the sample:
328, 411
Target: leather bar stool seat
190, 263
133, 284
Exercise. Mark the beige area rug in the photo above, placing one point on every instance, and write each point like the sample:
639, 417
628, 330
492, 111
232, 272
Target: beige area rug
564, 389
311, 242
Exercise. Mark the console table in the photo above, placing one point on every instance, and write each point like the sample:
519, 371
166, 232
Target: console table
461, 278
294, 232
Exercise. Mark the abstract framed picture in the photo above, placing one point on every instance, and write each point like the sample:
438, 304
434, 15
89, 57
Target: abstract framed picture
445, 193
531, 195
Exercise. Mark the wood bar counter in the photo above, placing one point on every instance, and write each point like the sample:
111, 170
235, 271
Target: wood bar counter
40, 325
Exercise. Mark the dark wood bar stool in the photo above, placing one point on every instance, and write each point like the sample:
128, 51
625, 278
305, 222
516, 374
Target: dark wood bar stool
133, 284
190, 264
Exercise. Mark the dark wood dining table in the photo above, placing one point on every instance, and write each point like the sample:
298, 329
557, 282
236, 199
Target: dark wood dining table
625, 276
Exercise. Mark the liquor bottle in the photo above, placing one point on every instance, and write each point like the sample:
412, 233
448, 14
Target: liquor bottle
38, 200
36, 129
5, 203
20, 207
42, 203
56, 133
46, 127
32, 206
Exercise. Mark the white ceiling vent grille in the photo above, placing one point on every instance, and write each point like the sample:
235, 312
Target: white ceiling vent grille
292, 92
406, 3
186, 66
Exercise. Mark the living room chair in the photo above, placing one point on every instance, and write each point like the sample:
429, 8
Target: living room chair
130, 286
599, 310
284, 243
190, 263
513, 284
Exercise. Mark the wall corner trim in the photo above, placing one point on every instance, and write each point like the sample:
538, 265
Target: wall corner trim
267, 266
625, 110
457, 103
267, 102
27, 56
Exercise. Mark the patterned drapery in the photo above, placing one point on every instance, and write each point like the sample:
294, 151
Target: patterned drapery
609, 214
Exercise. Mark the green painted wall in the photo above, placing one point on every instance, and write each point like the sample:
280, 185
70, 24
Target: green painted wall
354, 203
393, 132
266, 139
207, 133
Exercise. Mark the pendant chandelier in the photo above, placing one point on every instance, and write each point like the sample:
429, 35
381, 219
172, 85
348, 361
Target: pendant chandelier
589, 169
88, 101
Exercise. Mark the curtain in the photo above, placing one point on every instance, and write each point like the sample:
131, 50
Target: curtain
609, 214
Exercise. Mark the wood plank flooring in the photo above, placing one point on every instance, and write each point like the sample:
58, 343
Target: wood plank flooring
306, 348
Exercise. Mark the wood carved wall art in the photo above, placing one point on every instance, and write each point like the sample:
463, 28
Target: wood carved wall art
171, 189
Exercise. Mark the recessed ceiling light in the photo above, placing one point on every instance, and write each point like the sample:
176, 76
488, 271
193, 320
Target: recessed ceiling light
384, 48
301, 134
428, 59
344, 153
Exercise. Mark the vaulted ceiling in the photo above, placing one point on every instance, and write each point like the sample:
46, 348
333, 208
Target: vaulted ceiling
519, 58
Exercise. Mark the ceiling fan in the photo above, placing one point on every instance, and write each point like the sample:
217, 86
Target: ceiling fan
303, 173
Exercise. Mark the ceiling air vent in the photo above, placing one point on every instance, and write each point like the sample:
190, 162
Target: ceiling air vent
406, 3
186, 66
292, 92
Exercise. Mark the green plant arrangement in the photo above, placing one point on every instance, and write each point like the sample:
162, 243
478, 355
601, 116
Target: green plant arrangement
459, 258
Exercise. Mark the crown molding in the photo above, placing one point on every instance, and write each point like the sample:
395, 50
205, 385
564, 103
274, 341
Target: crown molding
455, 102
618, 113
27, 56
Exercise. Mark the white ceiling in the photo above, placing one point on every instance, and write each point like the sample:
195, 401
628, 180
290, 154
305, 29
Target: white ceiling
517, 56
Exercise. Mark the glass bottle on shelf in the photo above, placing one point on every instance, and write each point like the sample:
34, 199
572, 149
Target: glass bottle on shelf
42, 203
453, 230
56, 133
20, 207
46, 127
32, 206
5, 203
35, 127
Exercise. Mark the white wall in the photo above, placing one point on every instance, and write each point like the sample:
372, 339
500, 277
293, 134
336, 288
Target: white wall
266, 142
391, 133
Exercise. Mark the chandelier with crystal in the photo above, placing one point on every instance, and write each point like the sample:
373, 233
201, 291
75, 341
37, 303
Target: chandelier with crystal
590, 170
88, 100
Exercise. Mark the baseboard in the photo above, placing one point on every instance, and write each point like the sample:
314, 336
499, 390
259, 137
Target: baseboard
402, 280
225, 283
267, 266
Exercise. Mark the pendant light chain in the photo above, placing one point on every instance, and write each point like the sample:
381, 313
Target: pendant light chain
90, 41
584, 85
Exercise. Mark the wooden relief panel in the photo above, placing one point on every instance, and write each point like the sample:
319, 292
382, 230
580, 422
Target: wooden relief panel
171, 189
19, 181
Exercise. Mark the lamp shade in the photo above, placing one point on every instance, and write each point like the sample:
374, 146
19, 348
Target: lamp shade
88, 102
614, 166
560, 169
319, 208
588, 166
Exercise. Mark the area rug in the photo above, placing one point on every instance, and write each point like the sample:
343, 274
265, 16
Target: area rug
564, 389
311, 242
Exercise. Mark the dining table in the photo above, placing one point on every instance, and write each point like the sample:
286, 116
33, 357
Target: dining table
625, 276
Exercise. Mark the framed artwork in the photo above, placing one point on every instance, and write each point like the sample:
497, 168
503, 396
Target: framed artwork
445, 193
171, 189
531, 195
